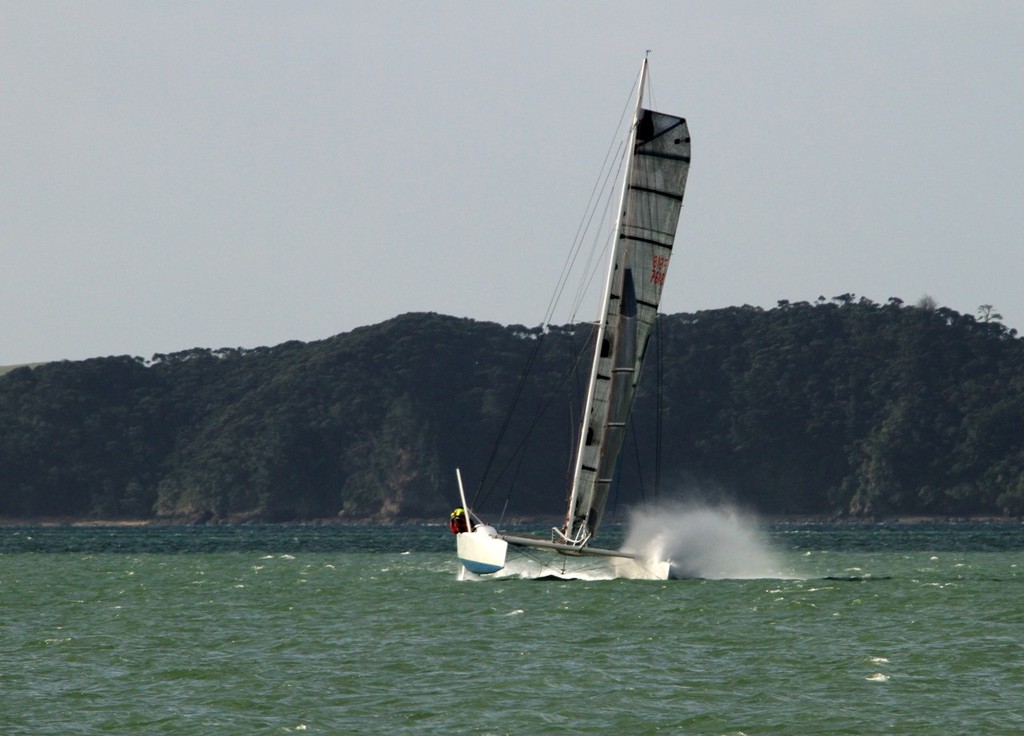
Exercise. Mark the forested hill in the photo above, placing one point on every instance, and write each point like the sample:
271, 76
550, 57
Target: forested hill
843, 407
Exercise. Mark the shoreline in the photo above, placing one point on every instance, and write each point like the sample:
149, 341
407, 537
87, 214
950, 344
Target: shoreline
795, 520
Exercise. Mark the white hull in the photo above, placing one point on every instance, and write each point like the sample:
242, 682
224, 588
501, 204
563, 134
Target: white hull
481, 551
543, 565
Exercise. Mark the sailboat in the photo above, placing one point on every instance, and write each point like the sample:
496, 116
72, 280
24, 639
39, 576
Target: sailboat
650, 200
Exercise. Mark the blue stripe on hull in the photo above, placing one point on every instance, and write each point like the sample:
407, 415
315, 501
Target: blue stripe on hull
479, 568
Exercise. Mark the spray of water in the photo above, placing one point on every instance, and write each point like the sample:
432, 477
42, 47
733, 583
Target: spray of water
711, 542
701, 541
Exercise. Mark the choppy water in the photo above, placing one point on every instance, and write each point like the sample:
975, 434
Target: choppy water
337, 630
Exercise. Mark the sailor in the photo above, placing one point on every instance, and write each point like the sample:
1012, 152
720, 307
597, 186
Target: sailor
457, 522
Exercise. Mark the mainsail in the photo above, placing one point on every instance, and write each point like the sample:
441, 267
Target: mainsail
652, 194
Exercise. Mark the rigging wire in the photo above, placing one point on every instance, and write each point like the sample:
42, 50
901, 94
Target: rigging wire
598, 256
659, 419
639, 463
516, 395
518, 454
598, 192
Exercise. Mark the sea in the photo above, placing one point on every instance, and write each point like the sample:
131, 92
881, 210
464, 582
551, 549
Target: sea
834, 629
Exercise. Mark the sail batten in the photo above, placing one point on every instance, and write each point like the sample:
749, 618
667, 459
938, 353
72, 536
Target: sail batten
674, 157
649, 241
658, 192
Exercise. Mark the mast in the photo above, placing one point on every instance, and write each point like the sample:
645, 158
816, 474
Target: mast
657, 164
573, 535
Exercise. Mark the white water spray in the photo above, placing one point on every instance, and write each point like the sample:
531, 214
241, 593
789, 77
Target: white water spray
703, 542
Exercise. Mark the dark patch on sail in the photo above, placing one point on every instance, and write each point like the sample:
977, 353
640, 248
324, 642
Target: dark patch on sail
645, 127
627, 308
646, 132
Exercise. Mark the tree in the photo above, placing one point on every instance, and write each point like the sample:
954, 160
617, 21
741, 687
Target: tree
986, 313
838, 407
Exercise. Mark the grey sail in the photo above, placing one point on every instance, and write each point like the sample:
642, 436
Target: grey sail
652, 196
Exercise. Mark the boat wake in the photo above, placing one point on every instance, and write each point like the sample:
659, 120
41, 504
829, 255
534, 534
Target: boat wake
714, 543
560, 568
549, 566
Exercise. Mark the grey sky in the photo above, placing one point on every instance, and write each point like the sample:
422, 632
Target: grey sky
176, 174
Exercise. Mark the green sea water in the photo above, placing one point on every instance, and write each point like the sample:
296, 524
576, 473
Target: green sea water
365, 630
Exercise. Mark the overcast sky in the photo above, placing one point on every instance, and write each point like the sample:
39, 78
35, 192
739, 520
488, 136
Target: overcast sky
223, 174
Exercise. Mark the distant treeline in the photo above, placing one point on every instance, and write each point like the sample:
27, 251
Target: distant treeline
838, 408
